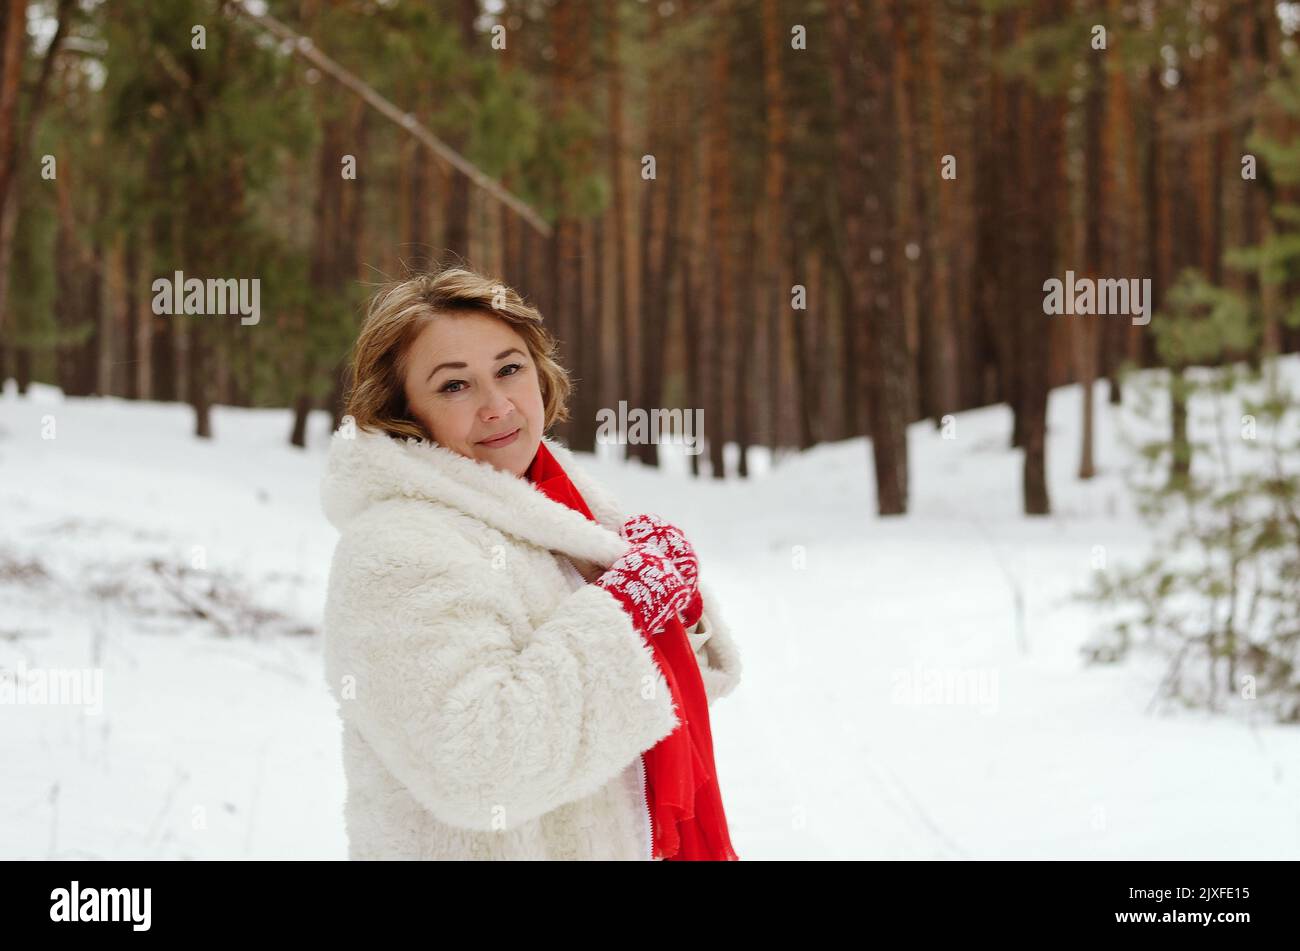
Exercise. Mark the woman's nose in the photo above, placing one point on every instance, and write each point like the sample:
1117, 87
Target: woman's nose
496, 405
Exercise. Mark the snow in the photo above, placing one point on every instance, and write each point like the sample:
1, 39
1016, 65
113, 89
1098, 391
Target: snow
218, 739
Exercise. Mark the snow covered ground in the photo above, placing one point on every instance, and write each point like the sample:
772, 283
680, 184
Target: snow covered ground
193, 574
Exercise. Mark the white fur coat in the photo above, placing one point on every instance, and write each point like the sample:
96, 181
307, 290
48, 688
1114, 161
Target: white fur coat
493, 705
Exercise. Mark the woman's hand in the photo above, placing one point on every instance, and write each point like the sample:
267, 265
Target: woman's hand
648, 585
590, 571
671, 542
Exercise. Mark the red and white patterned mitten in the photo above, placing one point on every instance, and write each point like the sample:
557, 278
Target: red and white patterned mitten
670, 541
648, 586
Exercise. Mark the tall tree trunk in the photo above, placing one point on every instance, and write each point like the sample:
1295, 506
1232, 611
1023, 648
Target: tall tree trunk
658, 290
137, 384
589, 333
417, 170
909, 200
940, 350
571, 34
749, 326
773, 303
200, 392
8, 231
890, 381
114, 365
323, 277
13, 40
15, 136
71, 315
808, 374
1041, 156
720, 230
1120, 185
456, 197
612, 355
696, 293
997, 194
1094, 213
162, 358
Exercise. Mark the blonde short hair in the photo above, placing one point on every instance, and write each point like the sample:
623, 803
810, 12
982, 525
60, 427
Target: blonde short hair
397, 313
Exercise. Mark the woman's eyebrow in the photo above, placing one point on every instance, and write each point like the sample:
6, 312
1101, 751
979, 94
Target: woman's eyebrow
457, 366
460, 365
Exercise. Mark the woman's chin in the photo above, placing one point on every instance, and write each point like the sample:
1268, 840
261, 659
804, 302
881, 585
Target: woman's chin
527, 452
515, 458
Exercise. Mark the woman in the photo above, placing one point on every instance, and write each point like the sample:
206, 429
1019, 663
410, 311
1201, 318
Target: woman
501, 639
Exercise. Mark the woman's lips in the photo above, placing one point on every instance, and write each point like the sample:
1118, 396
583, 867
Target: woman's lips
502, 442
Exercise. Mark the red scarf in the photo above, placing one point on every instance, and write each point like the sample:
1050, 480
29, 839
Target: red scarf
681, 781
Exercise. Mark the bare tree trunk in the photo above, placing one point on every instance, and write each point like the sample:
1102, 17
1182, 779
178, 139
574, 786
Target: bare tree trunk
72, 269
12, 49
720, 225
612, 353
697, 292
940, 348
1120, 184
745, 343
996, 271
589, 333
8, 231
1041, 155
327, 213
163, 345
807, 373
1257, 204
137, 380
456, 198
909, 199
1094, 213
115, 341
14, 139
565, 280
418, 172
774, 287
200, 396
870, 225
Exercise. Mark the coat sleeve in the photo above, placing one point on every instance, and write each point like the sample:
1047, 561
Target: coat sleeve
715, 650
486, 723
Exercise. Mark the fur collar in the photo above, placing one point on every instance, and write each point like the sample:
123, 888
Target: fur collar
370, 467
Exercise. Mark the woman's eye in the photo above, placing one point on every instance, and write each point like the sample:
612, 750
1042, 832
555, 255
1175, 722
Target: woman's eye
456, 386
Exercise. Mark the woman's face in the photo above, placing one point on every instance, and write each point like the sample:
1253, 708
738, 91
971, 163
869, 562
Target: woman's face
469, 378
